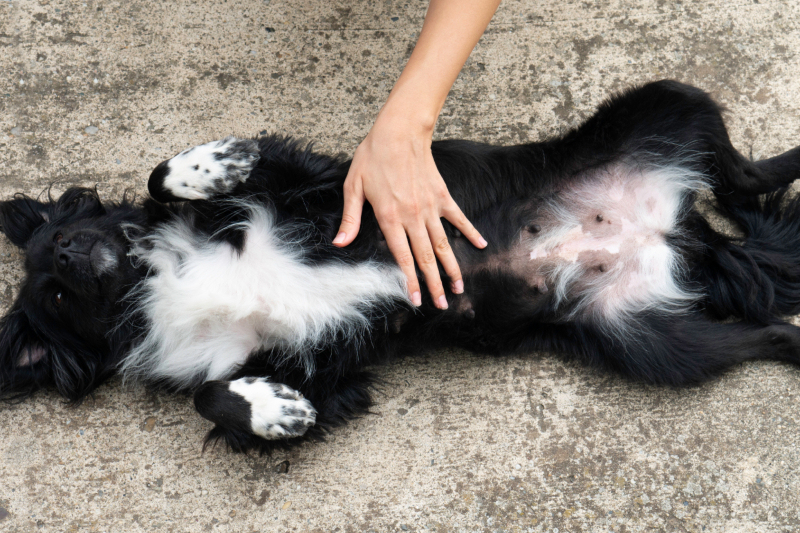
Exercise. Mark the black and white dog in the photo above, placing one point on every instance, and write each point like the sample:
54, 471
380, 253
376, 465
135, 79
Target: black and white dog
226, 281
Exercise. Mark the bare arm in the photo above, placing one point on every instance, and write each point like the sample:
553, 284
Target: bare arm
393, 167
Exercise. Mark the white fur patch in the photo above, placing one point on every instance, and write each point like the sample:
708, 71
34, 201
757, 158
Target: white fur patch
210, 307
215, 167
106, 260
276, 411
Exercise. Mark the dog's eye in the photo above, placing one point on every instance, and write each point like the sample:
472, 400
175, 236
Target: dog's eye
57, 299
57, 238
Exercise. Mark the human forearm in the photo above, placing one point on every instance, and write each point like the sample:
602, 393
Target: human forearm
451, 30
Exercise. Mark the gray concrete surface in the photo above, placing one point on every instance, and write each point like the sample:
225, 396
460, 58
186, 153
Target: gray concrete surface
98, 92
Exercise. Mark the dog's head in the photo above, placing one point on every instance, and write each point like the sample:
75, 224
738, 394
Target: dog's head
60, 331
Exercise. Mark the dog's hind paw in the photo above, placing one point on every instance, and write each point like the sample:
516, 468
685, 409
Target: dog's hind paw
204, 171
276, 411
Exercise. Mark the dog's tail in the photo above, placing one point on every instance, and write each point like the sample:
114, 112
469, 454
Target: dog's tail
756, 276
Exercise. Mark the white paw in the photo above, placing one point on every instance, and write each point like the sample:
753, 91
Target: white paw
204, 171
276, 411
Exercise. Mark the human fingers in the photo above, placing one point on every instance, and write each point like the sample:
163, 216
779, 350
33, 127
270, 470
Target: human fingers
453, 214
397, 242
353, 206
442, 249
426, 260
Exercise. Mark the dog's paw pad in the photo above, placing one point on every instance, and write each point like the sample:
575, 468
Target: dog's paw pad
295, 418
276, 410
204, 171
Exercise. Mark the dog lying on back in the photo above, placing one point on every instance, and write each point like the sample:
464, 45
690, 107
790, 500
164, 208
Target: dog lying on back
226, 281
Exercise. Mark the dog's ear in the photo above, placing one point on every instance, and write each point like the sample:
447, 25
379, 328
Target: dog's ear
20, 217
27, 363
23, 357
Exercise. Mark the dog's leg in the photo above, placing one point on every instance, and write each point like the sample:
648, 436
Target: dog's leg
783, 168
254, 406
204, 171
675, 124
338, 389
737, 179
688, 118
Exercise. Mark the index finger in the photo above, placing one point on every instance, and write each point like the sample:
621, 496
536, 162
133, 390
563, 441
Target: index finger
453, 214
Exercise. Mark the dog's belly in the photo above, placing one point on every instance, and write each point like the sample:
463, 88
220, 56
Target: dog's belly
601, 247
209, 307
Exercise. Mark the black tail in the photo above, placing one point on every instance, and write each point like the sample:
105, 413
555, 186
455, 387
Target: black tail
674, 349
681, 350
756, 277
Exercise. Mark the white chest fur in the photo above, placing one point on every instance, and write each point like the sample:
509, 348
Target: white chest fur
210, 307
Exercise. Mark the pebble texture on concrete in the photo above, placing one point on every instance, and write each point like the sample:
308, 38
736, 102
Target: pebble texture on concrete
99, 92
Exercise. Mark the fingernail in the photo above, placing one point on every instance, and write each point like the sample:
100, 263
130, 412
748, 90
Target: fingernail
416, 299
442, 301
458, 287
340, 238
482, 242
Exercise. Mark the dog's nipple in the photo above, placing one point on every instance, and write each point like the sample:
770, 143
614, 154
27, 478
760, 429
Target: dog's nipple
540, 285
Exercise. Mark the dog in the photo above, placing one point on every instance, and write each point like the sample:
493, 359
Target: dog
225, 281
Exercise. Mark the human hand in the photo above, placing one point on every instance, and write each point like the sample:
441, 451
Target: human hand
393, 169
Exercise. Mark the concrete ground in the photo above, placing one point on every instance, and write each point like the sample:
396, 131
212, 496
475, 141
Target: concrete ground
99, 92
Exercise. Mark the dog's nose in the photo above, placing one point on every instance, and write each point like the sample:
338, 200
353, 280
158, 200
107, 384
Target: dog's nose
64, 258
65, 252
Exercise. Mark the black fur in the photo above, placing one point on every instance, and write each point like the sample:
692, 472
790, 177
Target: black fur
215, 402
751, 281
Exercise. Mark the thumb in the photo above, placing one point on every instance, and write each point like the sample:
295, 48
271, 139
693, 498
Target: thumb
351, 216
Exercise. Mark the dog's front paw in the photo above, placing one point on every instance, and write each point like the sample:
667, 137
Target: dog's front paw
276, 411
204, 171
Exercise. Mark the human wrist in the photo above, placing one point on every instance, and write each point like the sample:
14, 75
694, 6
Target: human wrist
410, 112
